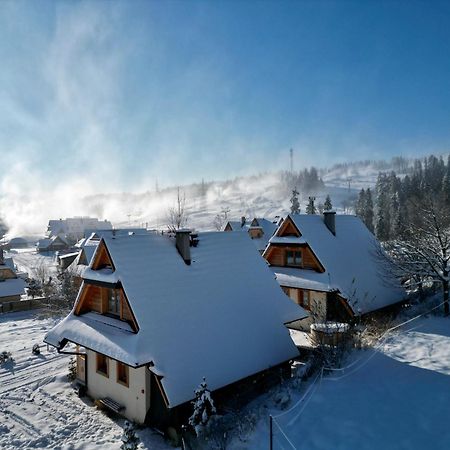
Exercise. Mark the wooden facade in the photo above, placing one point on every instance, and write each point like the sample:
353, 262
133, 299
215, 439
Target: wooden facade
96, 296
323, 305
276, 255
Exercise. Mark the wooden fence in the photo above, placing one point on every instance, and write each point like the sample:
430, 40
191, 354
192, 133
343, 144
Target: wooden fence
22, 305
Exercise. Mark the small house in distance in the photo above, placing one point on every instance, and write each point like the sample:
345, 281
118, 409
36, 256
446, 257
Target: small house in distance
53, 244
259, 229
329, 265
11, 286
75, 228
156, 314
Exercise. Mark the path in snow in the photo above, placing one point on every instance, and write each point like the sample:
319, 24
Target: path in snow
38, 408
398, 398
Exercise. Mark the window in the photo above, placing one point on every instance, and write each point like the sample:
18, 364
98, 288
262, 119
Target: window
122, 374
304, 299
114, 302
102, 364
294, 258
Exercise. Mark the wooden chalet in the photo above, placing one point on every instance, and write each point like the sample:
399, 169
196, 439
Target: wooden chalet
11, 286
328, 265
259, 229
156, 314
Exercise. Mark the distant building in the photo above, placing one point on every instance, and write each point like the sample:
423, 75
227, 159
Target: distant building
53, 244
259, 229
11, 286
75, 228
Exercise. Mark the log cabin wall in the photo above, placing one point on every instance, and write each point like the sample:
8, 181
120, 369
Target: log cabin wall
277, 257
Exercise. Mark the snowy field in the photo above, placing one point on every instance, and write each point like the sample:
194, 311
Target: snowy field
34, 264
38, 408
397, 397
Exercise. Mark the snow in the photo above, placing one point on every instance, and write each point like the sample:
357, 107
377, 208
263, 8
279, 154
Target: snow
303, 278
38, 407
187, 315
287, 240
330, 327
394, 398
105, 275
12, 286
351, 262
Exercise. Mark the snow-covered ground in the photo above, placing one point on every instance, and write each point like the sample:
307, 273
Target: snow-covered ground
38, 407
33, 263
394, 397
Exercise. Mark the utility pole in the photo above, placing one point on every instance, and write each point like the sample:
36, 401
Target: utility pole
291, 153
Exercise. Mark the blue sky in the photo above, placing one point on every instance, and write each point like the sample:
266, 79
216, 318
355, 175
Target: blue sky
116, 94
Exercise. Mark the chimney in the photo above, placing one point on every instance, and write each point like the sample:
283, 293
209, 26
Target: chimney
329, 217
243, 220
182, 242
2, 258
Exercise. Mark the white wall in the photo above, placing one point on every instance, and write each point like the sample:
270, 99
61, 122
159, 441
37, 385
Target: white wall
134, 397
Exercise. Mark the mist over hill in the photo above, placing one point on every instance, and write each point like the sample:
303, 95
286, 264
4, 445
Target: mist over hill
264, 195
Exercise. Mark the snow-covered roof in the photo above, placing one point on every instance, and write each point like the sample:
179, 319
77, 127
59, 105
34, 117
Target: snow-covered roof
287, 240
236, 225
350, 261
12, 286
222, 317
10, 263
303, 279
47, 242
266, 225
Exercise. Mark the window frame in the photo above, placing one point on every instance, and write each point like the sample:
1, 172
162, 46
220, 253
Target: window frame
114, 294
295, 258
98, 368
121, 366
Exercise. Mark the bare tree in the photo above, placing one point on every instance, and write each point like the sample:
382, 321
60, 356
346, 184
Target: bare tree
177, 215
221, 219
423, 251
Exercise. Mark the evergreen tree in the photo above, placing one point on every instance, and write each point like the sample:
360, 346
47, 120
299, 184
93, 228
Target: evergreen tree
203, 408
310, 207
368, 213
129, 439
295, 204
327, 206
382, 217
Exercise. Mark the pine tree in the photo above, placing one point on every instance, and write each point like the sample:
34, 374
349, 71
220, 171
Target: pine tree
310, 207
368, 213
129, 439
327, 206
382, 219
295, 204
203, 408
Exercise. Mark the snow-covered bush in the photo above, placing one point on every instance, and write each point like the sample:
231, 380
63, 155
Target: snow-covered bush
72, 374
129, 439
6, 357
34, 288
36, 350
203, 408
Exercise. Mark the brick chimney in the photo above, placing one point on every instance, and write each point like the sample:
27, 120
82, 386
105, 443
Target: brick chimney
183, 244
329, 217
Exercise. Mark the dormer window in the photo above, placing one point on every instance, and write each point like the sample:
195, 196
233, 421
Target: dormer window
294, 258
113, 302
